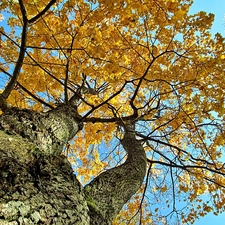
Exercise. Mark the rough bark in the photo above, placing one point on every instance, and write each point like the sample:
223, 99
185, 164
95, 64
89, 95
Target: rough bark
37, 189
112, 189
37, 184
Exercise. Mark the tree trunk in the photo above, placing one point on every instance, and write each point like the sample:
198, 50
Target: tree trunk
41, 190
37, 184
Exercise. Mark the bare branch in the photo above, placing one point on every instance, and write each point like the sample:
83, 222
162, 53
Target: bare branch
39, 15
19, 63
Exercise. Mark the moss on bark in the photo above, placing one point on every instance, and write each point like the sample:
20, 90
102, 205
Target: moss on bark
37, 183
42, 190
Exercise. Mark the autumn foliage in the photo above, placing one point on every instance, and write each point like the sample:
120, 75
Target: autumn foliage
150, 61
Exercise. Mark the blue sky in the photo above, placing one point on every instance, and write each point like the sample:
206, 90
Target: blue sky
216, 7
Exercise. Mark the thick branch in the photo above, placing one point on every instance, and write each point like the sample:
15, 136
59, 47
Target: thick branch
27, 91
39, 15
49, 131
19, 63
113, 188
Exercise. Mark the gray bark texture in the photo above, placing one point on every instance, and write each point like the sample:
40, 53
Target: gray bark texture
37, 183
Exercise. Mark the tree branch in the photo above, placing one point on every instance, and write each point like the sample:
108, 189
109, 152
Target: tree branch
28, 92
5, 94
48, 6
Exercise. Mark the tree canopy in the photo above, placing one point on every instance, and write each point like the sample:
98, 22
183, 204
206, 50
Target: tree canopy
146, 61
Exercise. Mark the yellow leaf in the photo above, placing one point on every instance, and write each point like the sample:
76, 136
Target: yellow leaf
163, 189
